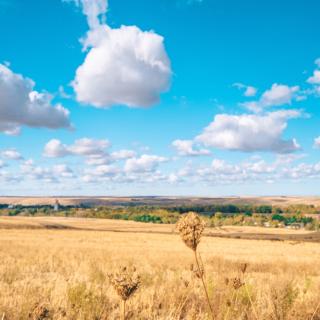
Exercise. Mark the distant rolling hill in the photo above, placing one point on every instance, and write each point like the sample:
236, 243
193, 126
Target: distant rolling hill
160, 201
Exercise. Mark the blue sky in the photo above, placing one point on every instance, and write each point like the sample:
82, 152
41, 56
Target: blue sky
163, 97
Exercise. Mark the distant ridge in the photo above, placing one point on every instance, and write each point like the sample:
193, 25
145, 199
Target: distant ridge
160, 200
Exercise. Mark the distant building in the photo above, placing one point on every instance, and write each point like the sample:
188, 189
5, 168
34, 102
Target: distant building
10, 206
56, 206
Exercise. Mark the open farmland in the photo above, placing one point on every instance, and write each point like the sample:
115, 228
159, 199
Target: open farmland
56, 268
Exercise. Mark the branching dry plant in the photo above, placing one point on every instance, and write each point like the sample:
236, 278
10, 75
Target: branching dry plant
190, 227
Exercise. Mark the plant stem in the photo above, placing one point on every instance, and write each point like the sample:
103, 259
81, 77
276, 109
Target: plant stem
123, 309
203, 283
249, 297
315, 311
180, 307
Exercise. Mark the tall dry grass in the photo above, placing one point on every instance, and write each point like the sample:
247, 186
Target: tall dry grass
63, 274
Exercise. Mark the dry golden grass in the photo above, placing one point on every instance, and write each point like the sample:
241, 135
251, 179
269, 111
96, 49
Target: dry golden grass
126, 226
63, 274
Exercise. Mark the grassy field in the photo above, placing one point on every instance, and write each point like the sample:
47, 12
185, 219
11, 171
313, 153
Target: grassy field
56, 268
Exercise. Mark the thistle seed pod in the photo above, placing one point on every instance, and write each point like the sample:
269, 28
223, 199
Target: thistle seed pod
190, 227
125, 282
237, 283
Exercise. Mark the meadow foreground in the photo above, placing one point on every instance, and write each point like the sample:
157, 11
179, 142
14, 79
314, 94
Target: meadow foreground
58, 273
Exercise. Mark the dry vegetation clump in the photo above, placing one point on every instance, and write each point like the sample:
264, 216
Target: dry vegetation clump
125, 281
63, 275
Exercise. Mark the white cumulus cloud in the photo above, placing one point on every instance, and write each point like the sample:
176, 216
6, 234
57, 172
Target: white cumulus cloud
123, 66
250, 132
11, 154
81, 147
21, 105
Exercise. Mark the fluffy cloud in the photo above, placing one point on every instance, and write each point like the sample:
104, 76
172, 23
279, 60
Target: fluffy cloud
20, 105
143, 169
124, 66
186, 148
145, 163
82, 147
277, 95
11, 154
55, 149
250, 132
53, 174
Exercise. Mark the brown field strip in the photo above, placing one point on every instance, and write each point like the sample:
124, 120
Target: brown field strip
105, 225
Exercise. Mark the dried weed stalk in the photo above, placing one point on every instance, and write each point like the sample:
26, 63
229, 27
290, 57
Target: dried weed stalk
190, 227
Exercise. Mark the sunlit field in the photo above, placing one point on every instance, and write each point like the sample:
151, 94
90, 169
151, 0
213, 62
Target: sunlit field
63, 273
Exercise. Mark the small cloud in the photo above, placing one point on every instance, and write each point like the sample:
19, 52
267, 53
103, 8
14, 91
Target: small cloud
277, 95
11, 154
316, 143
249, 91
81, 147
186, 148
315, 79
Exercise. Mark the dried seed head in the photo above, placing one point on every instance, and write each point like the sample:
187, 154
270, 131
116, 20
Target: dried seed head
39, 312
125, 281
226, 281
237, 283
190, 227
